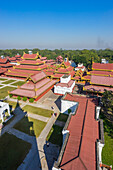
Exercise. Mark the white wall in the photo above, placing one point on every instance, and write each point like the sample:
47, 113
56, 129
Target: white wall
65, 80
63, 90
65, 105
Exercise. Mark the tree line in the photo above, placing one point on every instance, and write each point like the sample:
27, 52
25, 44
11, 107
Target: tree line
78, 56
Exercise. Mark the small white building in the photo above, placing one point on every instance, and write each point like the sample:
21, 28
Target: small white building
3, 108
65, 85
104, 61
80, 67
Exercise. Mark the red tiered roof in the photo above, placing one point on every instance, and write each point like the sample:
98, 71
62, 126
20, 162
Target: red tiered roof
6, 65
69, 84
72, 73
97, 89
35, 78
12, 59
67, 63
26, 67
57, 75
48, 73
14, 74
80, 150
101, 80
3, 61
33, 93
30, 56
30, 85
87, 77
100, 66
17, 56
31, 62
12, 70
2, 70
43, 58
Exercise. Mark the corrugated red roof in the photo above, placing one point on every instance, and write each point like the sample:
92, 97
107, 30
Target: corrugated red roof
101, 73
80, 150
101, 80
69, 84
99, 89
100, 66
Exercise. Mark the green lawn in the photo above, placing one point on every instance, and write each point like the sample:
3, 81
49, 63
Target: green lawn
12, 151
55, 135
4, 91
3, 79
62, 117
1, 85
30, 126
39, 111
107, 151
19, 83
8, 81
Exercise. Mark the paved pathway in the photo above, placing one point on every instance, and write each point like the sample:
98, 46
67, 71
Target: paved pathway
38, 117
41, 141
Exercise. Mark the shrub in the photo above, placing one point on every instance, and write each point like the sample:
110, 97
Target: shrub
10, 95
69, 110
24, 98
31, 100
19, 98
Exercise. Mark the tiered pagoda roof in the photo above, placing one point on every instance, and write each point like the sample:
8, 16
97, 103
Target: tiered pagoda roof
36, 86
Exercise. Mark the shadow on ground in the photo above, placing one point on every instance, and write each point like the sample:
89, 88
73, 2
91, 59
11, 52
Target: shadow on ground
58, 102
18, 149
51, 152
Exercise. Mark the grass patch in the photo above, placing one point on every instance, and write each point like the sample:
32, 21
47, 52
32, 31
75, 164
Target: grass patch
12, 151
30, 126
1, 85
19, 83
2, 79
4, 91
107, 151
62, 117
9, 81
55, 135
38, 111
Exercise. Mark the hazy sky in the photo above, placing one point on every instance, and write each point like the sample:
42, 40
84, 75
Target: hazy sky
71, 24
